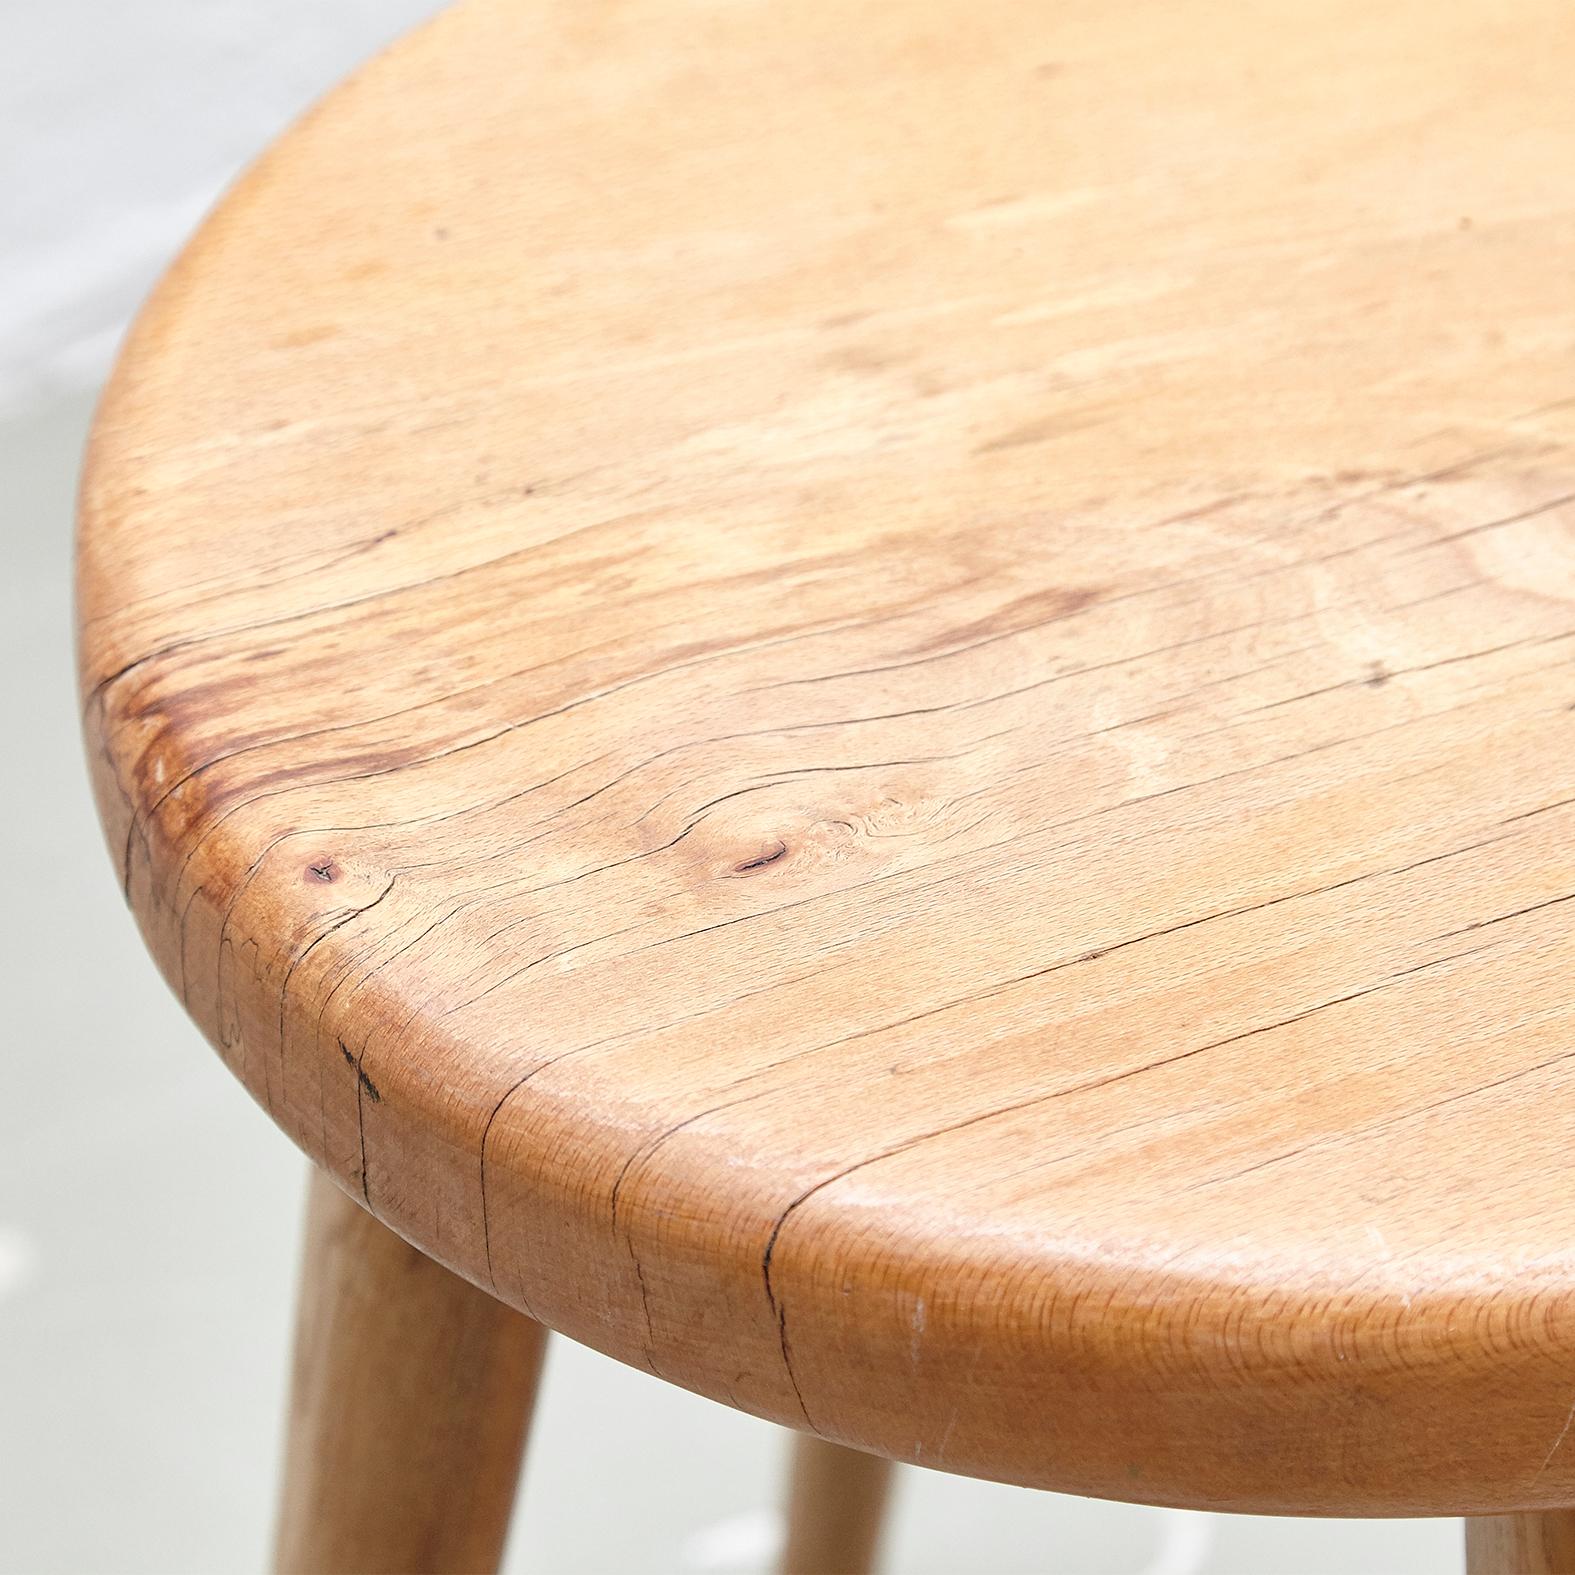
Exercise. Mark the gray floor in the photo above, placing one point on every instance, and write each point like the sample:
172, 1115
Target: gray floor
148, 1215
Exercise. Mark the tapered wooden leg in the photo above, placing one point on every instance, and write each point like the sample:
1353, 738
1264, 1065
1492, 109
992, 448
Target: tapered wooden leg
835, 1506
409, 1404
1521, 1544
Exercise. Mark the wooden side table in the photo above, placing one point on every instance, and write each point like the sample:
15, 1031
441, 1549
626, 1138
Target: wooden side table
873, 705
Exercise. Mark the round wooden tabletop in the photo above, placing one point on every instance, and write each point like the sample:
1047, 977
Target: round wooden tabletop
874, 704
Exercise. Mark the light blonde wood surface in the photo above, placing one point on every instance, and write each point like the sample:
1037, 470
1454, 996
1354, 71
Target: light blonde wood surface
408, 1410
836, 1505
874, 704
1521, 1544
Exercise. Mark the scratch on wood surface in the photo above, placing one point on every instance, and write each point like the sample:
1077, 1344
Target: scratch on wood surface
1547, 1459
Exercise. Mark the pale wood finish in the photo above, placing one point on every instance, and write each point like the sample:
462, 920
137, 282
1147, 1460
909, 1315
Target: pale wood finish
1521, 1544
873, 703
836, 1504
408, 1410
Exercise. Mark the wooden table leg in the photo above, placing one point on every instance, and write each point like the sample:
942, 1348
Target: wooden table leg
835, 1506
411, 1396
1542, 1544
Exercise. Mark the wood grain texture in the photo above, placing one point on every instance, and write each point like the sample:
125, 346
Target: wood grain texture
409, 1406
874, 704
836, 1508
1521, 1544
